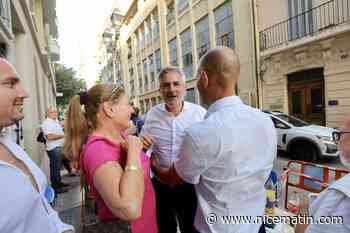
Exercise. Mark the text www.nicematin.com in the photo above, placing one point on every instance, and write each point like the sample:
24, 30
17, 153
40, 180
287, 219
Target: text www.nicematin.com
212, 219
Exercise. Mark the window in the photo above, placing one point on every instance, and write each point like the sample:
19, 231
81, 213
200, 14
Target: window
170, 16
142, 106
203, 37
142, 40
151, 70
136, 43
158, 61
155, 26
186, 45
145, 79
190, 95
139, 74
148, 32
132, 88
173, 52
224, 25
182, 5
131, 70
129, 49
159, 100
300, 24
154, 101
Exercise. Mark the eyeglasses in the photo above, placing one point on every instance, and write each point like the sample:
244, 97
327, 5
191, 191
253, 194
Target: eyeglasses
337, 134
115, 91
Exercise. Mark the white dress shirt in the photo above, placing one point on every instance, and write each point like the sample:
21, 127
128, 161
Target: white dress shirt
334, 201
23, 209
229, 156
168, 130
51, 126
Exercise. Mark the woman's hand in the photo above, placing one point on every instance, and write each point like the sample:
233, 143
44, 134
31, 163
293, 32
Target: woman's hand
133, 144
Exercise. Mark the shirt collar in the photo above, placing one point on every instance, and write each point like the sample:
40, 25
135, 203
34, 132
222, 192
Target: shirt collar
223, 103
186, 107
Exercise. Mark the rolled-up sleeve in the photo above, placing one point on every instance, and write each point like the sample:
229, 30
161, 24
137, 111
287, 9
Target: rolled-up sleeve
191, 162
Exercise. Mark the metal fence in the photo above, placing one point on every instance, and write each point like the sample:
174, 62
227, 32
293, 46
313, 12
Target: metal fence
315, 20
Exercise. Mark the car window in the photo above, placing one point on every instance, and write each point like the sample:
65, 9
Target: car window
279, 124
293, 120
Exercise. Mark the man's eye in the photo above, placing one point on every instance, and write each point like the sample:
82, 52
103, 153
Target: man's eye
10, 83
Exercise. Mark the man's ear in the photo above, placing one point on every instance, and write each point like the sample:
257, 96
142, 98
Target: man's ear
204, 79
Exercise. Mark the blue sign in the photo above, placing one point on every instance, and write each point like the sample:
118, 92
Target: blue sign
333, 102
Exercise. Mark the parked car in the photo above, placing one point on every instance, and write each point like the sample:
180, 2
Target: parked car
303, 141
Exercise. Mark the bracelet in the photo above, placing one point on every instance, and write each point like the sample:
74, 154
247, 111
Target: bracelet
132, 168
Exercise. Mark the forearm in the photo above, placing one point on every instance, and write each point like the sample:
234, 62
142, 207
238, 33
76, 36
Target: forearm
132, 188
52, 137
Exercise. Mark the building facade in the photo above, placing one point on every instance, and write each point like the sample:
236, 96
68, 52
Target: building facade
28, 34
157, 33
305, 58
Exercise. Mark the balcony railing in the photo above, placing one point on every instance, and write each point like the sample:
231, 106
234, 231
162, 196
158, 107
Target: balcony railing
4, 14
308, 23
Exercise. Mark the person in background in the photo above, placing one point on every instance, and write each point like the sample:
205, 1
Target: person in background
54, 135
229, 155
164, 128
116, 169
23, 205
335, 200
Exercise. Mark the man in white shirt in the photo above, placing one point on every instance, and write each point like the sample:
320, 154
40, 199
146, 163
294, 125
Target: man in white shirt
229, 155
23, 205
335, 200
166, 124
54, 135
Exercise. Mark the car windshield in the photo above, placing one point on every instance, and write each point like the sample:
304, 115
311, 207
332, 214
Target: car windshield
292, 120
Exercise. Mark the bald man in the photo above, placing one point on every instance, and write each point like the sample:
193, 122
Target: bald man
229, 155
23, 205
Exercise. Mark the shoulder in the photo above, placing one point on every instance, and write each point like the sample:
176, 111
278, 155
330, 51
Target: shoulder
154, 111
197, 111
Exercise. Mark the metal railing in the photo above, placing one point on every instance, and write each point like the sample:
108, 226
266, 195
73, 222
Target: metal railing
4, 14
315, 20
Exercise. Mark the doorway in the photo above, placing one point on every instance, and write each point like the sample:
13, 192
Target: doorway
306, 96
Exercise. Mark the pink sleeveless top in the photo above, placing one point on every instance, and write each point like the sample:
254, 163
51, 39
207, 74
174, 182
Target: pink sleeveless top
99, 150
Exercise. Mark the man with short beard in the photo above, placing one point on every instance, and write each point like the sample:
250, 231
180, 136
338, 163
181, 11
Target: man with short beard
164, 127
335, 200
23, 205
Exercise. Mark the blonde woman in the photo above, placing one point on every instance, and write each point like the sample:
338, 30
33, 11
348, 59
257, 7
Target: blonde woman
116, 169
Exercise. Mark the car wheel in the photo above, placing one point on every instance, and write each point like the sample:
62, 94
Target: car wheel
304, 151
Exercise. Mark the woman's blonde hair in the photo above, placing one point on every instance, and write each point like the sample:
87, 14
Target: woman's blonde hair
81, 116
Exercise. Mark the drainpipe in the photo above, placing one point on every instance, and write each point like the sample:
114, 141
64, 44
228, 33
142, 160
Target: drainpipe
256, 51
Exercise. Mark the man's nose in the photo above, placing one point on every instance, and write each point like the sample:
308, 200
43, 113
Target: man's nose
22, 92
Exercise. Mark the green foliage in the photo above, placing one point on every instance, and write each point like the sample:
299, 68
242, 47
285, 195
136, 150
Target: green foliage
68, 84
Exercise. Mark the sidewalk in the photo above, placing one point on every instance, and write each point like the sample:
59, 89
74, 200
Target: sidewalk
69, 204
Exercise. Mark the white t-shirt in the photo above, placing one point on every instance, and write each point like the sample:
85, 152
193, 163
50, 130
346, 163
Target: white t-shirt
334, 201
168, 130
23, 209
228, 157
50, 126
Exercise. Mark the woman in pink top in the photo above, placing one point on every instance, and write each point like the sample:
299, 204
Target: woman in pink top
116, 169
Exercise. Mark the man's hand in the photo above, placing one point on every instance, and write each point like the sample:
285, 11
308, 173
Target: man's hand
167, 176
147, 141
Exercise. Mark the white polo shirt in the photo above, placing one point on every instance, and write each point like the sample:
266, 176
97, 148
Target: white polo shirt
23, 209
50, 126
168, 130
228, 156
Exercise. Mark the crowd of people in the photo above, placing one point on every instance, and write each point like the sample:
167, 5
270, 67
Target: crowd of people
181, 164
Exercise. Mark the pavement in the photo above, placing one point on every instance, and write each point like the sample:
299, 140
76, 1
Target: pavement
69, 204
